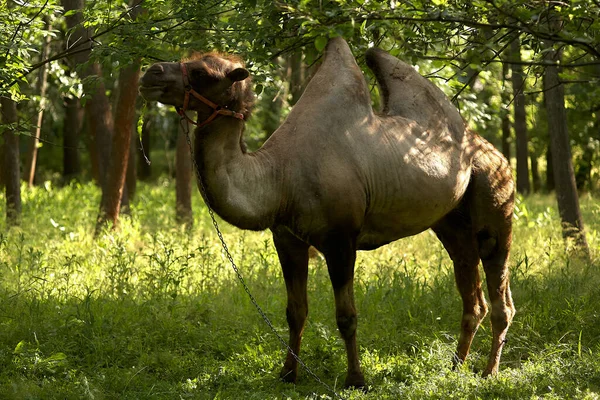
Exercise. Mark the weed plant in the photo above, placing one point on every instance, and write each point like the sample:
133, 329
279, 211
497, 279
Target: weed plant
154, 310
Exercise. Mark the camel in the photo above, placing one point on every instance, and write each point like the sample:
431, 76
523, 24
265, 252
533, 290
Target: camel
340, 177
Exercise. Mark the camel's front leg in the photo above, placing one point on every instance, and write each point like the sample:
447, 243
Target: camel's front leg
340, 254
293, 256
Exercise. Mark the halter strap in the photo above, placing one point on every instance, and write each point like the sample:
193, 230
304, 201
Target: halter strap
217, 109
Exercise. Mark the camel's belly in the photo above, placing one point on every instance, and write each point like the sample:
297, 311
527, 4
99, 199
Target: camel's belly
408, 209
382, 228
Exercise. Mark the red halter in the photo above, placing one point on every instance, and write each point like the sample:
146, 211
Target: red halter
217, 110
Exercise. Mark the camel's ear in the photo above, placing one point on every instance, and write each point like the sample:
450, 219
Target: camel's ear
238, 74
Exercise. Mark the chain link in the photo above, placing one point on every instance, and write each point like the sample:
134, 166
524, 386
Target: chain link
186, 131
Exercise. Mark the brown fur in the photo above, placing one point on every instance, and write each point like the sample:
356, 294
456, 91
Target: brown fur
241, 98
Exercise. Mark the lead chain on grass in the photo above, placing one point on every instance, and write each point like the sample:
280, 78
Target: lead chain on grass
186, 131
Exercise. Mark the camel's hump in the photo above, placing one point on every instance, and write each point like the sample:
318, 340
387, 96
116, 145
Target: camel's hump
338, 79
407, 94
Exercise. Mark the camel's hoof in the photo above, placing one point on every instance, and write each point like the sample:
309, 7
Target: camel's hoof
489, 372
356, 381
288, 375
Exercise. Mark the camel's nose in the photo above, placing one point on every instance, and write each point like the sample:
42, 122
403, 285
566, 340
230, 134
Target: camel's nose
156, 69
152, 75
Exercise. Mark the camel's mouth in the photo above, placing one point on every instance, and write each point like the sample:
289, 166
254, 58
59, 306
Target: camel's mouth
151, 88
151, 92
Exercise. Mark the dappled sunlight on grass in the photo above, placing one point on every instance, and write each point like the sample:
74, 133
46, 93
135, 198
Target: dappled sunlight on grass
155, 311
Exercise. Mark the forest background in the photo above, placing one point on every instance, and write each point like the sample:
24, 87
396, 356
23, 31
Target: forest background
82, 155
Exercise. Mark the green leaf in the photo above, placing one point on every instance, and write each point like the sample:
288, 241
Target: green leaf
21, 347
320, 43
56, 358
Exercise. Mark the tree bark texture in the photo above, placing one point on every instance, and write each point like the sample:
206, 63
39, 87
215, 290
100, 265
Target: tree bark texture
131, 179
550, 185
40, 88
535, 173
97, 106
99, 118
123, 123
183, 179
505, 114
2, 164
114, 191
71, 132
295, 75
564, 177
144, 167
11, 168
520, 123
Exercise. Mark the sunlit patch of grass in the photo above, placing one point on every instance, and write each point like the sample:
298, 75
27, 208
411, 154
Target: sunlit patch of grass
155, 311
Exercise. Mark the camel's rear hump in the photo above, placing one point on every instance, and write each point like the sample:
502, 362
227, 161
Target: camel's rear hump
407, 94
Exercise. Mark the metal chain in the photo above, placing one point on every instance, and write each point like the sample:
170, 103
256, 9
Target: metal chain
186, 131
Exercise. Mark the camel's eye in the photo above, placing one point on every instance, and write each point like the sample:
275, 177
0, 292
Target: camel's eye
201, 78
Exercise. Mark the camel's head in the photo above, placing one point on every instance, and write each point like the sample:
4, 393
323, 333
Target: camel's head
221, 79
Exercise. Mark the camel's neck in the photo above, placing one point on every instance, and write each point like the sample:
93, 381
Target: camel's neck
241, 187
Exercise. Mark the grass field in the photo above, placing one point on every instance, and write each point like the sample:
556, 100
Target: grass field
155, 311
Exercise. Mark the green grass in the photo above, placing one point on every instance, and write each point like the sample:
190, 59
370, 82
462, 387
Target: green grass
155, 312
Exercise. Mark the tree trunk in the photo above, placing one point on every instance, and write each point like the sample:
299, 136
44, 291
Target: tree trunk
520, 123
113, 191
273, 107
97, 107
99, 118
11, 165
2, 183
295, 75
131, 179
550, 185
144, 167
583, 175
535, 173
40, 87
505, 100
566, 191
183, 180
71, 130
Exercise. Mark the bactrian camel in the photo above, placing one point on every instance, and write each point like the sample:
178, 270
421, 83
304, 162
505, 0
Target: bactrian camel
340, 177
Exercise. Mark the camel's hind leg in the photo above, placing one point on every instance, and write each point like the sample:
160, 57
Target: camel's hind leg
491, 202
456, 234
496, 272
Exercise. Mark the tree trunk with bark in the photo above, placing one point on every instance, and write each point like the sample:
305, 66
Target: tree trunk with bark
520, 123
11, 168
144, 167
131, 179
114, 191
505, 100
40, 88
71, 132
117, 171
100, 122
183, 179
98, 112
535, 173
295, 76
564, 177
550, 185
